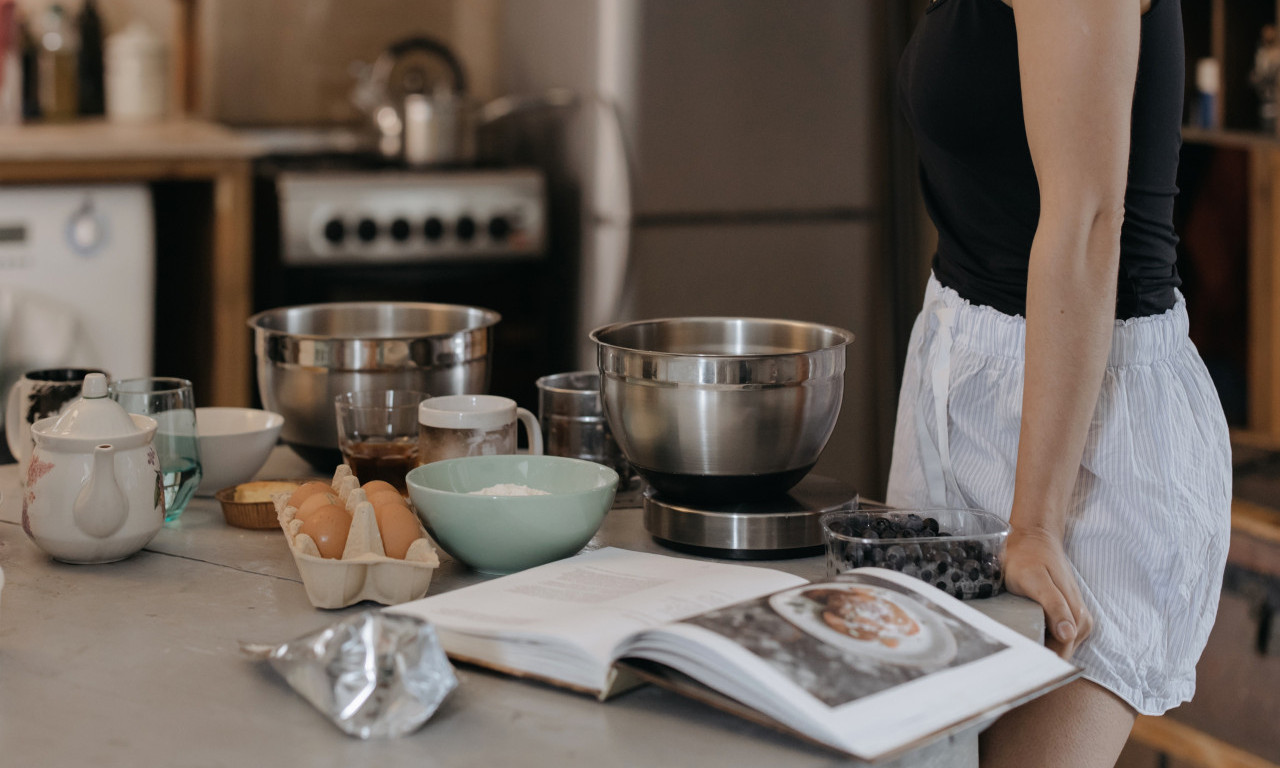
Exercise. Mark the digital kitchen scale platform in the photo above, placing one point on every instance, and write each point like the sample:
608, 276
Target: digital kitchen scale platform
770, 527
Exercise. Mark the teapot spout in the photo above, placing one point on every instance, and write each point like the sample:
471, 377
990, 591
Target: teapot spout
101, 507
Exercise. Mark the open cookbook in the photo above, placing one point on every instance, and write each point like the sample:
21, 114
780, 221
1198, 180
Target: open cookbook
871, 665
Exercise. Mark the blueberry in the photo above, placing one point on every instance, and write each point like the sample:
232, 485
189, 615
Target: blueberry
931, 524
869, 533
985, 589
926, 574
895, 556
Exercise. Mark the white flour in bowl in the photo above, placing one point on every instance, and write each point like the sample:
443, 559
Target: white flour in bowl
509, 489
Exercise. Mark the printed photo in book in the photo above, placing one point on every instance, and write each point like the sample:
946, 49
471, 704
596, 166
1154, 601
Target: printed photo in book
843, 641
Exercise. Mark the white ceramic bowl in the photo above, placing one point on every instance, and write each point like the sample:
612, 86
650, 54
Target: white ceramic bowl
234, 444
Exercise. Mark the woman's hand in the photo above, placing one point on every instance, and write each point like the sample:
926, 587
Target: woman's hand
1036, 567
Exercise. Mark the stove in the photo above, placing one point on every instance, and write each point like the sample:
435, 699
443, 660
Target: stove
355, 227
397, 216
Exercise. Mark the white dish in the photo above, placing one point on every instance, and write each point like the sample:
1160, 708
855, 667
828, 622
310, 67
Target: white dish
234, 444
887, 626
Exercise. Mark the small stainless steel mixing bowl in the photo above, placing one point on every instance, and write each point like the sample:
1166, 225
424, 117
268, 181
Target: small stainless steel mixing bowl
307, 355
721, 408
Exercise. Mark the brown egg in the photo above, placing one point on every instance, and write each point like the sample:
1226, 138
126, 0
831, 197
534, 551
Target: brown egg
314, 502
399, 528
307, 490
380, 496
377, 486
328, 526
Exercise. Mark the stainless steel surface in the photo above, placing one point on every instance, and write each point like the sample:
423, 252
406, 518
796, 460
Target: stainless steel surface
573, 424
783, 525
138, 663
745, 403
308, 355
337, 217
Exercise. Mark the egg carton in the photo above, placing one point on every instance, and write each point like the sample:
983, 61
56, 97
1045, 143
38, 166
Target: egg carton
364, 572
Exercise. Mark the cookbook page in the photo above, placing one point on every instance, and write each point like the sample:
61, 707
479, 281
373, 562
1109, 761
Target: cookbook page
594, 600
872, 665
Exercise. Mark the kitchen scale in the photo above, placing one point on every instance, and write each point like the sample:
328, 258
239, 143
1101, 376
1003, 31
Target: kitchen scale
777, 526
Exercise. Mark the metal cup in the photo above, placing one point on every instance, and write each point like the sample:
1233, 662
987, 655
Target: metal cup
573, 422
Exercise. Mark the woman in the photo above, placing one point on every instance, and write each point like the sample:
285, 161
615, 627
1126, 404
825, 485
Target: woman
1048, 134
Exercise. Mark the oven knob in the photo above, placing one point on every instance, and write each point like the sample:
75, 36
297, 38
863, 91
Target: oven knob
335, 231
400, 230
465, 228
367, 230
433, 228
499, 228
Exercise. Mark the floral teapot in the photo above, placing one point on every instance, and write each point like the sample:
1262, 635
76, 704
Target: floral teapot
94, 492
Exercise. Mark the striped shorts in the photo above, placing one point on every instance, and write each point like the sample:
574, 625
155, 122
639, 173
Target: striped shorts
1150, 515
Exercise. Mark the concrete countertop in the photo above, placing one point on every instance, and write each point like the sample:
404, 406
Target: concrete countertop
137, 663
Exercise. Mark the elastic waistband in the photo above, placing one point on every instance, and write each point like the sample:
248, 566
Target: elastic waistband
1138, 341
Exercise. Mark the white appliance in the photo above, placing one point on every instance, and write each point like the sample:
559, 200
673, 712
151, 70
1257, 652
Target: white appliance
77, 279
732, 162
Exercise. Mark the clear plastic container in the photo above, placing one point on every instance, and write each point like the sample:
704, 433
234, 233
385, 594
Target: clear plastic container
960, 551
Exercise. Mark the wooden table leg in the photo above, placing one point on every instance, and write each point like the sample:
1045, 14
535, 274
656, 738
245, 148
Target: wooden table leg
231, 286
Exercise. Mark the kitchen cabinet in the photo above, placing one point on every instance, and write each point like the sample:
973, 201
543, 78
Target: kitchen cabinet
201, 331
1229, 217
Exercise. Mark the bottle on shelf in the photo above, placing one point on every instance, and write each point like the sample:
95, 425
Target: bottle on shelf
10, 65
57, 57
89, 69
1208, 83
29, 54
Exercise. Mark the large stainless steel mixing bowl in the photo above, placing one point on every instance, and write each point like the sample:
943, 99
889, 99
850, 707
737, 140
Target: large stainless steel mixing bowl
307, 355
721, 408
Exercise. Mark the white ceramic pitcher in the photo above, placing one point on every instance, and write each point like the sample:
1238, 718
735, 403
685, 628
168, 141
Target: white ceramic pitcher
94, 492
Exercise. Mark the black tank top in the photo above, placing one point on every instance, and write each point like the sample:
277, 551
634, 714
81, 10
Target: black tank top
960, 91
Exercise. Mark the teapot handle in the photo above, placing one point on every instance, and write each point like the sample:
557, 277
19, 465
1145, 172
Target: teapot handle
12, 415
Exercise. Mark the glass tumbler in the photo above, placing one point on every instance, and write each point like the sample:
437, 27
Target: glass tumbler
378, 433
171, 403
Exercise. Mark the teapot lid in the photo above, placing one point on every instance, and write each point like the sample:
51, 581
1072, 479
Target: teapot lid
94, 415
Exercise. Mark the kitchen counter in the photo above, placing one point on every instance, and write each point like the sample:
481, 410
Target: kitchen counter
137, 663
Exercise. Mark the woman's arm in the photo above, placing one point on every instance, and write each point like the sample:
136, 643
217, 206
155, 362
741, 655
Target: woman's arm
1078, 61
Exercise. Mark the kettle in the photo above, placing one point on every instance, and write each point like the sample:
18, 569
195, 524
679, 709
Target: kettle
94, 492
430, 124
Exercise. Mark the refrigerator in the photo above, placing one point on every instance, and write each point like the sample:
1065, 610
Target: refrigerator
726, 158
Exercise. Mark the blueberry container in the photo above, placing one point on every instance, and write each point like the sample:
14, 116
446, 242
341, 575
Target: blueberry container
960, 551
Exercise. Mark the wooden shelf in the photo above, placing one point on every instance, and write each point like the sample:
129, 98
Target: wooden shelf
1218, 137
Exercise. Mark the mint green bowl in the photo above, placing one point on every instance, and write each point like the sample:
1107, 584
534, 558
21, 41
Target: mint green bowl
504, 534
